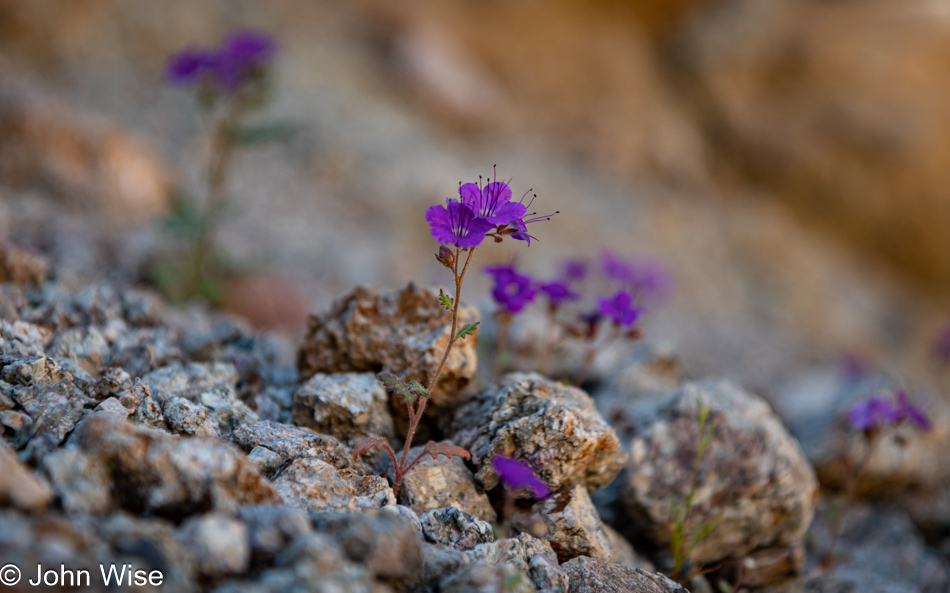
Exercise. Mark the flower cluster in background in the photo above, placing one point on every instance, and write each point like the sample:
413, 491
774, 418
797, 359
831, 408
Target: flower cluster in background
241, 59
877, 412
610, 291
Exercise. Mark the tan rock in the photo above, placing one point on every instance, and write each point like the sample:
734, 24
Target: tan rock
754, 480
19, 488
309, 482
349, 406
573, 527
399, 331
553, 427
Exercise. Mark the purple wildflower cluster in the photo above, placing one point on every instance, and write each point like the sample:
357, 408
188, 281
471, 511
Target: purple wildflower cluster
242, 57
877, 412
479, 212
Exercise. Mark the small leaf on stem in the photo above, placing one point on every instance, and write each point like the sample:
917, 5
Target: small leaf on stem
447, 449
467, 330
398, 387
365, 446
446, 300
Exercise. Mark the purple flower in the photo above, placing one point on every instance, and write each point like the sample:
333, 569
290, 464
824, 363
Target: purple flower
649, 277
871, 414
620, 308
558, 292
513, 291
243, 55
456, 224
492, 202
190, 65
615, 267
574, 270
518, 475
908, 411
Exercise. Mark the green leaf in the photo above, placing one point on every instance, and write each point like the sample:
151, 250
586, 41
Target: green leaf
398, 387
417, 388
467, 330
446, 300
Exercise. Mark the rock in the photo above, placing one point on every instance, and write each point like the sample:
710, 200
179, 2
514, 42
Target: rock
151, 471
386, 542
309, 482
55, 409
145, 350
113, 407
20, 265
289, 441
189, 380
764, 568
149, 543
19, 488
482, 577
438, 483
753, 480
85, 346
271, 529
225, 409
528, 556
349, 406
573, 526
588, 575
188, 418
400, 331
553, 427
82, 486
112, 381
22, 339
313, 562
218, 545
266, 460
146, 410
455, 528
27, 370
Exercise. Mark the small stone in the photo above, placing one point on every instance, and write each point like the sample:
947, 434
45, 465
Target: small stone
289, 441
588, 575
349, 406
145, 350
19, 488
82, 485
147, 411
753, 481
452, 527
573, 526
20, 265
26, 371
554, 427
527, 555
385, 542
21, 338
265, 459
218, 545
438, 483
311, 483
157, 473
112, 382
55, 409
482, 577
113, 407
83, 345
188, 418
403, 332
271, 528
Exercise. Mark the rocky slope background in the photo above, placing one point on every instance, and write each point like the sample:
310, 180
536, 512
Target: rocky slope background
795, 197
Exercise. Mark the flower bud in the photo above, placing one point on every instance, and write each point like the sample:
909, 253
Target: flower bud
445, 256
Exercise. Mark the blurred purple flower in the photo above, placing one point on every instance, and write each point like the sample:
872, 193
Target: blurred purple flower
620, 309
513, 291
190, 65
558, 292
456, 224
518, 475
615, 267
243, 54
871, 414
574, 270
908, 411
492, 202
877, 412
645, 276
